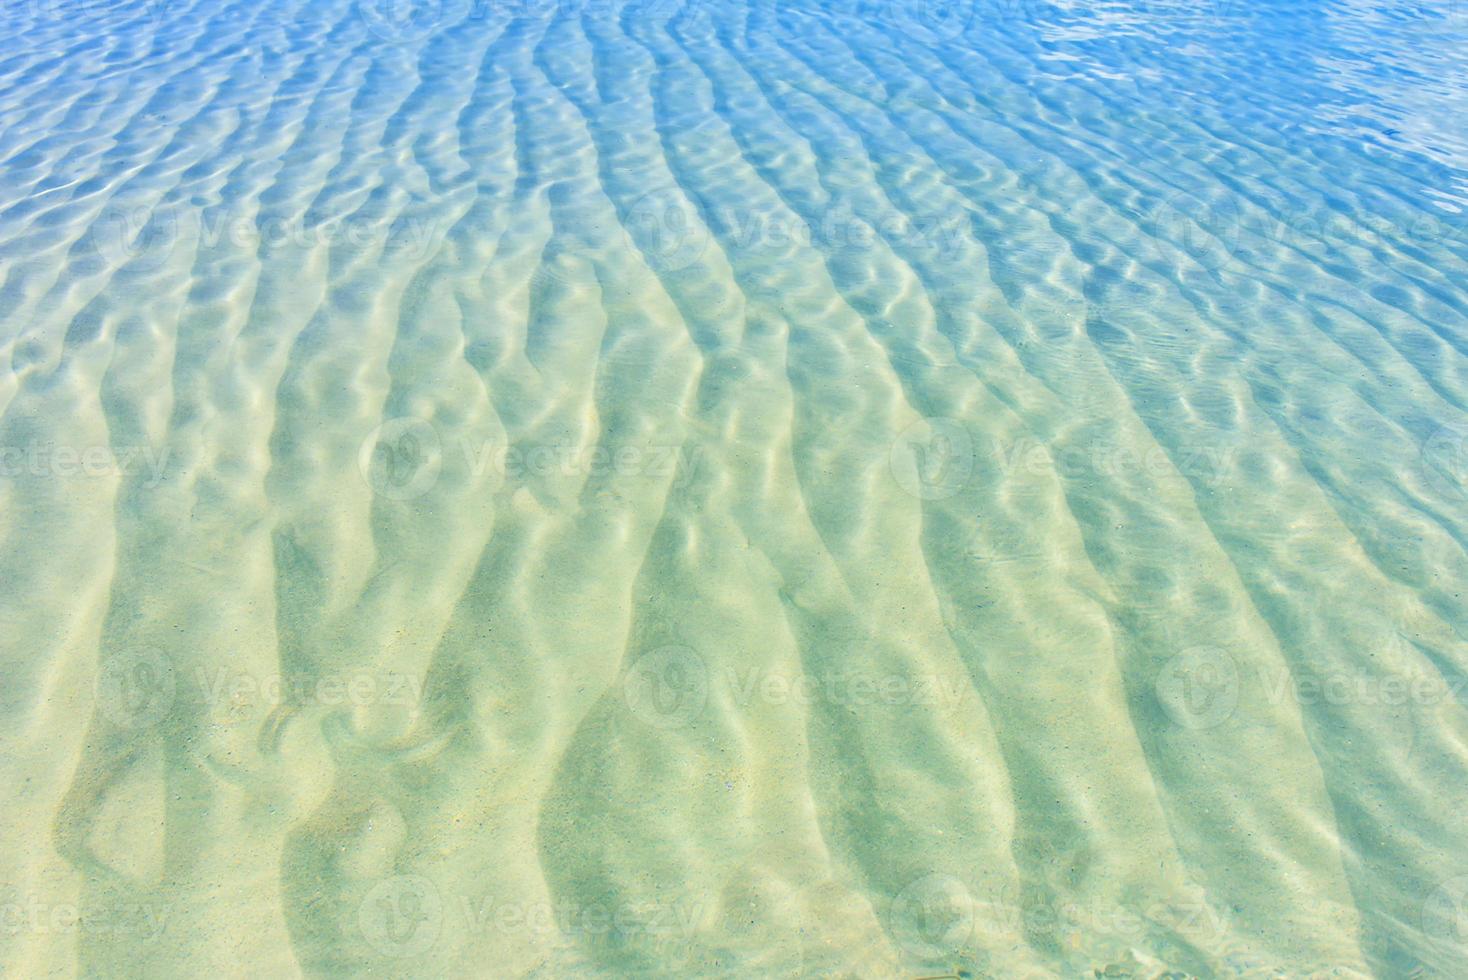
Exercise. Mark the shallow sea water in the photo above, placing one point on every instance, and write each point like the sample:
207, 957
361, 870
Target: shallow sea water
733, 488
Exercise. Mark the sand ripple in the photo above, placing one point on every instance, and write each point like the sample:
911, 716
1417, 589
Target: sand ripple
705, 488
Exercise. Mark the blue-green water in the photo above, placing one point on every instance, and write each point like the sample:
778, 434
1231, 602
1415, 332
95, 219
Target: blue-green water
706, 488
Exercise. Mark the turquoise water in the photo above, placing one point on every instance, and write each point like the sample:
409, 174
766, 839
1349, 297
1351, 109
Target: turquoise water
892, 488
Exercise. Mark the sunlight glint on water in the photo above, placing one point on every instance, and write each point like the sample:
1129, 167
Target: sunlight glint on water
892, 488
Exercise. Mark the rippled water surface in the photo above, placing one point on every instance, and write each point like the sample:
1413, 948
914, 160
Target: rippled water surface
734, 488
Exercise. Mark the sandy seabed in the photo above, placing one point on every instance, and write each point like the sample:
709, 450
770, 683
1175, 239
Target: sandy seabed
706, 488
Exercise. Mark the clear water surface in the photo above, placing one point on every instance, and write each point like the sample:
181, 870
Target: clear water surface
733, 488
